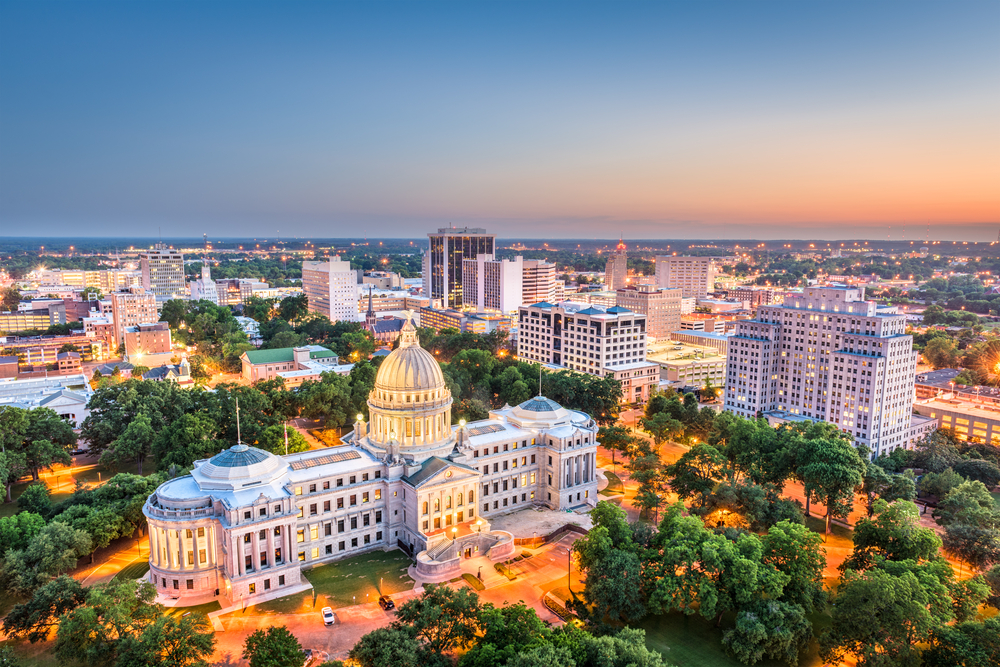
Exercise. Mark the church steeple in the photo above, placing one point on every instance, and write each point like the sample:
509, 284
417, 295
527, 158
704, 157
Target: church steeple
370, 313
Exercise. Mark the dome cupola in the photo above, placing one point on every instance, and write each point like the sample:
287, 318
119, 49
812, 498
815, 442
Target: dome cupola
410, 405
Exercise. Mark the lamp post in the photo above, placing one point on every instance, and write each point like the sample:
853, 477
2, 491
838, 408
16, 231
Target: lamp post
479, 526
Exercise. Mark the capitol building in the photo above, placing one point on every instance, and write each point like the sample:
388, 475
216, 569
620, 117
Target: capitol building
244, 523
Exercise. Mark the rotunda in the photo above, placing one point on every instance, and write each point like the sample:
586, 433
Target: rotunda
410, 405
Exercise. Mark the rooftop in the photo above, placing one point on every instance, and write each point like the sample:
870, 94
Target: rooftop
285, 354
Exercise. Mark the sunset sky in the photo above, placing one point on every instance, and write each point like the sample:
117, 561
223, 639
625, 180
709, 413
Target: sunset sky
557, 119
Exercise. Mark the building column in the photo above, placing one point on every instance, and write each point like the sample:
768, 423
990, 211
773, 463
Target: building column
239, 555
255, 554
269, 546
194, 548
290, 532
172, 550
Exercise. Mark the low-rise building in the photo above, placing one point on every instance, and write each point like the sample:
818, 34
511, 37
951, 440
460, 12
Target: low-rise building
41, 318
66, 395
714, 341
968, 420
68, 363
269, 364
147, 338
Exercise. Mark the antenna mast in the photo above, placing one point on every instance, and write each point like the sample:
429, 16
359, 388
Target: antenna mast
239, 440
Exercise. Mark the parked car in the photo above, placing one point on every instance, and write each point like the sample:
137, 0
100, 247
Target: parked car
386, 603
329, 618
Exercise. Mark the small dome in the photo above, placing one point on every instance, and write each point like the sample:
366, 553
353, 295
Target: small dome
239, 455
409, 368
239, 466
540, 404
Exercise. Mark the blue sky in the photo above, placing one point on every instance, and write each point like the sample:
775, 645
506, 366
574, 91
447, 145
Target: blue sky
557, 119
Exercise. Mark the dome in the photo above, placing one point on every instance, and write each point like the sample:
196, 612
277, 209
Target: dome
409, 368
540, 404
239, 466
543, 412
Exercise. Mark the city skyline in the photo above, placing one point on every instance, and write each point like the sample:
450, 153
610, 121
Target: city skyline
715, 121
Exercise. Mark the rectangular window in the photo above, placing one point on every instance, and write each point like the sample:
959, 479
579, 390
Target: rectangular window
364, 477
302, 556
190, 584
312, 488
298, 490
378, 516
302, 511
353, 479
190, 558
202, 556
312, 510
326, 505
354, 522
354, 542
366, 519
364, 497
368, 539
354, 501
315, 552
281, 580
267, 584
300, 535
327, 529
340, 526
326, 485
378, 536
340, 503
314, 532
378, 494
341, 545
340, 482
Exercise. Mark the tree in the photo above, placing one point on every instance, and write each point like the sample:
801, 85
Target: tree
992, 578
772, 629
294, 307
894, 533
940, 483
274, 647
941, 353
979, 470
831, 470
662, 427
971, 644
47, 440
507, 631
696, 472
54, 550
114, 615
796, 551
186, 440
615, 439
442, 619
879, 618
171, 642
69, 347
614, 587
977, 546
34, 620
91, 294
387, 646
329, 399
16, 531
35, 499
969, 503
134, 444
273, 440
10, 298
359, 346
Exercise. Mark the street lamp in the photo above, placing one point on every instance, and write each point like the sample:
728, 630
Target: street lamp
454, 534
479, 526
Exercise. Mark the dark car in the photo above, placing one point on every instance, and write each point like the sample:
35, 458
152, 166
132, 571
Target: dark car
386, 602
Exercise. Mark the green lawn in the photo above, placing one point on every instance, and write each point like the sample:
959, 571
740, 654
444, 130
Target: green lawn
692, 641
133, 571
347, 582
615, 486
206, 608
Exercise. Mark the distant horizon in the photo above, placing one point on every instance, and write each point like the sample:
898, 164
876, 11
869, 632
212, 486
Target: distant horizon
713, 120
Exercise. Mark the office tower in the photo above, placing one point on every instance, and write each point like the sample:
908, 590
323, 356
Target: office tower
662, 308
447, 248
607, 342
753, 297
829, 355
538, 282
694, 276
332, 289
163, 272
205, 288
130, 308
492, 284
616, 270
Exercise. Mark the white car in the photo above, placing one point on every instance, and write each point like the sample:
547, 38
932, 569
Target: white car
329, 618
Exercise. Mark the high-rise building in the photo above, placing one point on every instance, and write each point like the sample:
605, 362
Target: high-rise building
205, 288
829, 355
607, 342
448, 247
332, 289
753, 297
538, 282
662, 308
163, 272
616, 270
694, 276
490, 284
130, 308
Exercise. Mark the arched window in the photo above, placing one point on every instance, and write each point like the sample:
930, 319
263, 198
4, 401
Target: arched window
460, 500
447, 503
437, 504
425, 507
